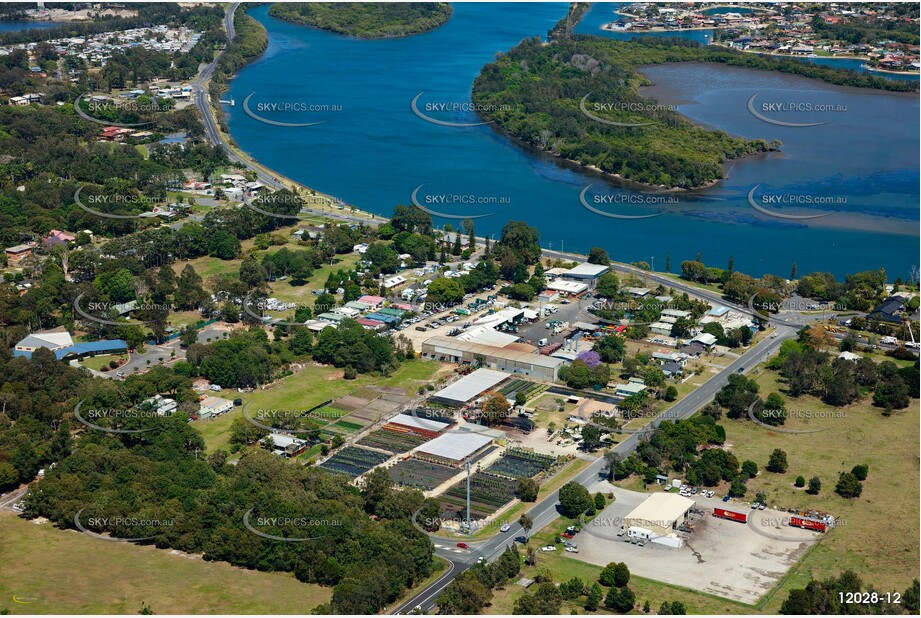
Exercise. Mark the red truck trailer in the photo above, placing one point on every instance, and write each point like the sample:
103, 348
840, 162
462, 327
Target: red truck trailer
808, 524
732, 515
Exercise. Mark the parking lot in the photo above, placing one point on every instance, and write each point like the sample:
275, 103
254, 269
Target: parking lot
733, 560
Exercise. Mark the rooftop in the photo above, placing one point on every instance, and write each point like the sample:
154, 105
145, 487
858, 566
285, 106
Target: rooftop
454, 446
472, 385
586, 270
661, 507
408, 420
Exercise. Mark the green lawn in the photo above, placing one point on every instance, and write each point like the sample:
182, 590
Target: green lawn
53, 571
98, 362
879, 536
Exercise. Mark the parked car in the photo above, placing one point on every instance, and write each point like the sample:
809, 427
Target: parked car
521, 539
548, 548
725, 498
762, 506
573, 549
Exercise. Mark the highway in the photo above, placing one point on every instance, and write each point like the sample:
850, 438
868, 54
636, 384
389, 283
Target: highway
544, 512
203, 102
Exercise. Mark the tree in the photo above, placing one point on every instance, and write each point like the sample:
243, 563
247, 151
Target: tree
737, 488
777, 462
815, 486
620, 600
593, 598
671, 393
848, 486
749, 468
599, 501
610, 348
675, 608
621, 575
377, 488
860, 471
607, 285
522, 240
910, 598
526, 523
189, 291
527, 490
591, 437
574, 499
597, 255
465, 595
606, 577
572, 589
188, 335
800, 481
495, 406
446, 291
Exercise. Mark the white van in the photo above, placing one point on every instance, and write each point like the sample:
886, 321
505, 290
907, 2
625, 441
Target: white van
541, 342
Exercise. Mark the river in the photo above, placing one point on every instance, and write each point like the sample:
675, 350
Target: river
372, 151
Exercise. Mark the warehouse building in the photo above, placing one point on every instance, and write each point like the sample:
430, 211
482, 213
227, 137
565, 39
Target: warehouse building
454, 448
514, 359
658, 515
407, 423
586, 272
469, 387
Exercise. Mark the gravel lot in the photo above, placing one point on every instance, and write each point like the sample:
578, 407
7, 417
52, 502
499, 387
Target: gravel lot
728, 559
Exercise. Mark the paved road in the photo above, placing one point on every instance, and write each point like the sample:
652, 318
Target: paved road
544, 512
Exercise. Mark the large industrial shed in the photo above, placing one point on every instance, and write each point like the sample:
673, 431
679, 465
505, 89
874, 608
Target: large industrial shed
660, 513
509, 359
469, 387
453, 448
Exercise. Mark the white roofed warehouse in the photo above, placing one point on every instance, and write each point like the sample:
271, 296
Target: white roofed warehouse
469, 387
660, 513
453, 448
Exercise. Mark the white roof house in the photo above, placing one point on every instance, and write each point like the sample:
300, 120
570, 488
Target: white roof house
705, 339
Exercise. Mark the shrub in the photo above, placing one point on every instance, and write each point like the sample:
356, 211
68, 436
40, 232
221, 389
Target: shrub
750, 469
860, 471
778, 461
815, 486
848, 486
800, 481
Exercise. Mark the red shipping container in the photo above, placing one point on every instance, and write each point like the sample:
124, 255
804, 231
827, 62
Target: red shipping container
733, 515
809, 524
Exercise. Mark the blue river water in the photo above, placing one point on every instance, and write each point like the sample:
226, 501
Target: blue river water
16, 25
372, 151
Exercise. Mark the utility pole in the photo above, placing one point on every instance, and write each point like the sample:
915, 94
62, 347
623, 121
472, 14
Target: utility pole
469, 530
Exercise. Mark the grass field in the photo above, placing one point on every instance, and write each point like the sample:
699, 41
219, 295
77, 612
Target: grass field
878, 537
53, 571
309, 388
103, 360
